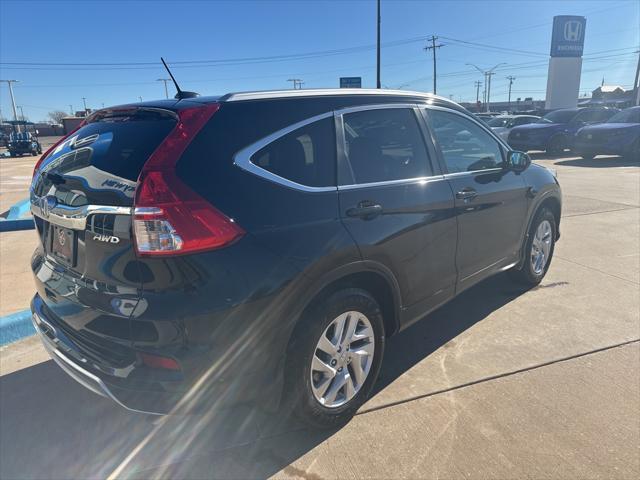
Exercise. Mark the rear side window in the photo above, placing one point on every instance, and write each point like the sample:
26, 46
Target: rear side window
117, 144
465, 146
306, 156
384, 145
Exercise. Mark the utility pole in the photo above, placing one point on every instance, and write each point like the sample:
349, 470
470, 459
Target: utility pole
434, 47
71, 109
378, 84
477, 84
84, 102
165, 80
13, 100
511, 78
21, 113
140, 99
297, 83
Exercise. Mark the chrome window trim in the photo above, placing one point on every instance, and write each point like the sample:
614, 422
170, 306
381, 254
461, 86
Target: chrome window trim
472, 172
402, 181
74, 218
242, 159
376, 106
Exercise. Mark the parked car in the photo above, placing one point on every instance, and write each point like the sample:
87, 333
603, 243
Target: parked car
555, 131
23, 139
620, 135
486, 116
263, 246
503, 124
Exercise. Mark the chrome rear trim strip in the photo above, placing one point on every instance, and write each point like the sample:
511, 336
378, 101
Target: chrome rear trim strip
74, 218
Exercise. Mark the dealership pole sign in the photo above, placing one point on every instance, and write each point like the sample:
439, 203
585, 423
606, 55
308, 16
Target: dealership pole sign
565, 64
567, 39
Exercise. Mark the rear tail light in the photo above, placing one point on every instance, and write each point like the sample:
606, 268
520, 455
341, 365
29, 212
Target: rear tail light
156, 361
54, 146
169, 217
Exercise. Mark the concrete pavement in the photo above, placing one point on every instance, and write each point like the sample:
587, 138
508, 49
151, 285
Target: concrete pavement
500, 383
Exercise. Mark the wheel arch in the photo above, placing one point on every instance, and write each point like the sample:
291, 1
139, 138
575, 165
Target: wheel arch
553, 203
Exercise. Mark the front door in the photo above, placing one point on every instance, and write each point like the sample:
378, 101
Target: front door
490, 201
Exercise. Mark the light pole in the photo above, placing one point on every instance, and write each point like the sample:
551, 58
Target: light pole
487, 81
21, 112
84, 102
71, 109
165, 80
13, 100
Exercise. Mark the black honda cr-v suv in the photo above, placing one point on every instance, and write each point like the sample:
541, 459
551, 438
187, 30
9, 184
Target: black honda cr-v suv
264, 245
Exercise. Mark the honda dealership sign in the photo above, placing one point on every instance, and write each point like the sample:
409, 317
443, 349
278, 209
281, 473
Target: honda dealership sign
568, 36
565, 64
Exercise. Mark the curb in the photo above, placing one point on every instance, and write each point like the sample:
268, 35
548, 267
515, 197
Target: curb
19, 210
12, 225
16, 326
18, 218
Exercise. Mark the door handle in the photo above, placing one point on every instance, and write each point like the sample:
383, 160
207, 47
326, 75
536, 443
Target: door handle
466, 194
365, 210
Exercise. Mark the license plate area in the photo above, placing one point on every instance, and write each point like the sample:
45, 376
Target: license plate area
62, 245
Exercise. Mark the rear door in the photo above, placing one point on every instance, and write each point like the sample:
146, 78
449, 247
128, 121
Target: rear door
490, 201
85, 266
394, 201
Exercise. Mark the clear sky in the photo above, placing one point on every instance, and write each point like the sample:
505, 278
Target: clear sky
247, 45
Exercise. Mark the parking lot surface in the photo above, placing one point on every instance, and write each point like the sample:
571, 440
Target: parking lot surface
500, 383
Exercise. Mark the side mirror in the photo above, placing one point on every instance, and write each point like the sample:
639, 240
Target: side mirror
518, 161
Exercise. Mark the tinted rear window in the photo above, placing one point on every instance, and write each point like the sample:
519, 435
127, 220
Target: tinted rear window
118, 144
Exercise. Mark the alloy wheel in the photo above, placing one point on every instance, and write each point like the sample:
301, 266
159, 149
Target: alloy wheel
342, 359
541, 247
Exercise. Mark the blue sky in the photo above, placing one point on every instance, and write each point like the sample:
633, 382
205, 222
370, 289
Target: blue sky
338, 35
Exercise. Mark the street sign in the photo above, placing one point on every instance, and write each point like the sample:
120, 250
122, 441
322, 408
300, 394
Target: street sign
567, 39
350, 82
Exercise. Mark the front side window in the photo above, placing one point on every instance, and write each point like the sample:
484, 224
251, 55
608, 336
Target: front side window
385, 144
465, 146
306, 156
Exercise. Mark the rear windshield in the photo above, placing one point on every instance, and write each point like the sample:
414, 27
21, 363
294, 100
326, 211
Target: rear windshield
559, 116
117, 143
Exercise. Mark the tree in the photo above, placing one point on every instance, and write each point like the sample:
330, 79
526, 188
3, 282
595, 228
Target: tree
56, 116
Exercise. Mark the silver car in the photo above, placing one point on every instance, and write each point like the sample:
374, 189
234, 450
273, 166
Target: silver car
503, 124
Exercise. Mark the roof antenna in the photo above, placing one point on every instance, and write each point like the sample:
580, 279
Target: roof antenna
181, 93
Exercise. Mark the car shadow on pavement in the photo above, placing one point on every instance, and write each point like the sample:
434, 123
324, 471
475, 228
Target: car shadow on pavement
52, 427
601, 162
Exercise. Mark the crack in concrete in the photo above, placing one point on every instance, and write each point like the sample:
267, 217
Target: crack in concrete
498, 376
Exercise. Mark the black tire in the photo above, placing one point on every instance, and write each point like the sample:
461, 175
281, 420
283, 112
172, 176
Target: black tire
634, 153
526, 274
298, 394
558, 144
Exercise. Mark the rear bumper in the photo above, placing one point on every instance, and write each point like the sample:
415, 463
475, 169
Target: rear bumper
69, 357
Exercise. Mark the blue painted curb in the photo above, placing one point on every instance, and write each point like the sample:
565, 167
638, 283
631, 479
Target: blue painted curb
15, 326
20, 210
11, 225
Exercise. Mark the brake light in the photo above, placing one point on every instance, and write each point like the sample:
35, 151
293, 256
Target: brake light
170, 218
56, 145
